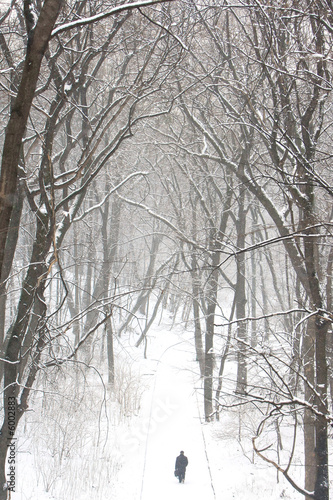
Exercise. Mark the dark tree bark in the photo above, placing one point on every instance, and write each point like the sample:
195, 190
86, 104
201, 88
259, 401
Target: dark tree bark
38, 39
285, 107
11, 243
310, 462
196, 299
32, 298
211, 303
241, 386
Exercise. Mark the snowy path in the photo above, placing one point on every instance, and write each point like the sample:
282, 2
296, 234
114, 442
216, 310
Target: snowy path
170, 423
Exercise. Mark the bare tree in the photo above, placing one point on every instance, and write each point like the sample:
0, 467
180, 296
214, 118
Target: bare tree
282, 102
66, 131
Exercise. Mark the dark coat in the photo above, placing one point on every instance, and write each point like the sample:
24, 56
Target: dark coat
181, 463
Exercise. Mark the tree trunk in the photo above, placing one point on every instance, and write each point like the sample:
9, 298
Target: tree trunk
319, 327
156, 241
241, 386
147, 286
212, 285
196, 316
8, 259
309, 430
110, 351
254, 277
321, 424
224, 359
38, 39
150, 321
31, 295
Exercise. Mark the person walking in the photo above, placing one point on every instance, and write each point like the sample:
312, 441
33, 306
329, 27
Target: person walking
180, 468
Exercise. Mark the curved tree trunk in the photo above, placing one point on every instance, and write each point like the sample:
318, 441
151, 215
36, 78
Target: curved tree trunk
38, 39
32, 299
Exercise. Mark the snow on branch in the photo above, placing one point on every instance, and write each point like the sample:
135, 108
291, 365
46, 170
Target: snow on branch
269, 315
60, 361
280, 469
276, 239
113, 190
8, 11
165, 28
163, 219
104, 15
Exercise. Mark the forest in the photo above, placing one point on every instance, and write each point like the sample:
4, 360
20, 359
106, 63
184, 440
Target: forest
169, 156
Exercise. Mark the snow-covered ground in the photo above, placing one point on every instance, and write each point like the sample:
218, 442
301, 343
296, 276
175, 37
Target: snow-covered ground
220, 467
221, 462
171, 424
